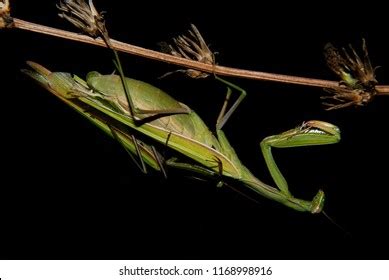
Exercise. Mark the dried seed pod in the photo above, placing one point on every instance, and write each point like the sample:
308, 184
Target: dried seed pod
84, 16
191, 47
6, 21
357, 85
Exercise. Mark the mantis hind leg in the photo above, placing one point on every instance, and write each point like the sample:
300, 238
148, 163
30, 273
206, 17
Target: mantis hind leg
140, 164
308, 134
205, 172
225, 114
173, 162
139, 152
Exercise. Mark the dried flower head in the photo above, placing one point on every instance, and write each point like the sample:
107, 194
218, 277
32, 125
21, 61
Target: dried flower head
84, 16
6, 21
191, 47
343, 97
357, 85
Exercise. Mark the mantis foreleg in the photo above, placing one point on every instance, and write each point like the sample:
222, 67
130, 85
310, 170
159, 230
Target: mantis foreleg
308, 134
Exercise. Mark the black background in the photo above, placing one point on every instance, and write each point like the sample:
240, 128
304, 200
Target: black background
68, 191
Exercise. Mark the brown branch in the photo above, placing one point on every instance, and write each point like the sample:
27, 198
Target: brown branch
216, 69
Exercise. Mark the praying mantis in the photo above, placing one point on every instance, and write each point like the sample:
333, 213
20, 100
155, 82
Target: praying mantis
142, 117
157, 118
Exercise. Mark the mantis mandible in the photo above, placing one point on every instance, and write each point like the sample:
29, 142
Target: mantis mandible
102, 100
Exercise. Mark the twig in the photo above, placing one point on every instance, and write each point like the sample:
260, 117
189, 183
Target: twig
216, 69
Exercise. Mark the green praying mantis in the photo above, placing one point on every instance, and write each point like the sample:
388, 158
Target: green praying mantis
157, 118
143, 118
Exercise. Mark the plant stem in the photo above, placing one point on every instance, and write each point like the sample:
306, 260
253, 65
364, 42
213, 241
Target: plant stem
216, 69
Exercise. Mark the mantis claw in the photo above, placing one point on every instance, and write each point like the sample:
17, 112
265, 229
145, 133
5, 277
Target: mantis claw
317, 203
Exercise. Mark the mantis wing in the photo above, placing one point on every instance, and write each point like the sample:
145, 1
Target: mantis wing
43, 76
68, 90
